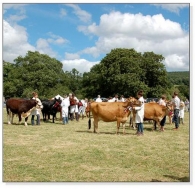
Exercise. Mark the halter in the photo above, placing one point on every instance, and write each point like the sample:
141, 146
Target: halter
56, 104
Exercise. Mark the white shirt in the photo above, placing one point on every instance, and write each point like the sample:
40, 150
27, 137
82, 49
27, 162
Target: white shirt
98, 100
176, 102
162, 102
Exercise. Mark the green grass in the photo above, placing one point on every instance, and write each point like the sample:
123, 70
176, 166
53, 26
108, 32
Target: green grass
71, 153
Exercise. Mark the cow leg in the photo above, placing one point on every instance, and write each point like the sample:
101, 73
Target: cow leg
60, 115
20, 119
95, 123
123, 124
12, 119
9, 117
25, 122
117, 126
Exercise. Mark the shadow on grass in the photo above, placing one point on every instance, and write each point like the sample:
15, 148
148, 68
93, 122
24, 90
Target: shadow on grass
102, 132
182, 179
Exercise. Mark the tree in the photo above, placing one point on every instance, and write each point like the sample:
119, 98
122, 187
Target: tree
35, 71
125, 71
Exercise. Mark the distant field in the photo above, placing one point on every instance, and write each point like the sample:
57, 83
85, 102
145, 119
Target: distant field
71, 153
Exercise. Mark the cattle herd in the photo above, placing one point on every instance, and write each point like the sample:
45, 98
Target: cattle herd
105, 111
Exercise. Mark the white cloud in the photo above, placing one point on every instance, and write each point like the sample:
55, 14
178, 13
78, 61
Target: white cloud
143, 33
15, 42
42, 45
20, 12
71, 56
173, 7
175, 59
81, 65
83, 15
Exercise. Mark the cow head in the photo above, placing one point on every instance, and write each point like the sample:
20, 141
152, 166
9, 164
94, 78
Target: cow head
57, 102
133, 101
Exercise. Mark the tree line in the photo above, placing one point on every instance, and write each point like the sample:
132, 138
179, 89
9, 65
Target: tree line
122, 72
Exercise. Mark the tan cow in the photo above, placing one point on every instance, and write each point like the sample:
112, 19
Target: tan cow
155, 112
112, 111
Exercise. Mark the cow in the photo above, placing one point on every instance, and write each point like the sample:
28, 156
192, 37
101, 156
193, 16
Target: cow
155, 112
112, 111
21, 107
50, 107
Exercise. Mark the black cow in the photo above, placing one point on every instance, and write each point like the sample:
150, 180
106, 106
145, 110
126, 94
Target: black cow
50, 107
21, 107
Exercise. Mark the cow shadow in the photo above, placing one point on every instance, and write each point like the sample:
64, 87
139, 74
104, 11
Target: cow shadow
104, 132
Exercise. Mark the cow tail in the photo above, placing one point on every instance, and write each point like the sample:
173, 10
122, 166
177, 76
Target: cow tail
89, 122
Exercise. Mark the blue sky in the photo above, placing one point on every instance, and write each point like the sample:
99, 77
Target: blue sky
81, 34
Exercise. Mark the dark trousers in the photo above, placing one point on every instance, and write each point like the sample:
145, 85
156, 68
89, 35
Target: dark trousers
140, 127
38, 120
176, 118
162, 123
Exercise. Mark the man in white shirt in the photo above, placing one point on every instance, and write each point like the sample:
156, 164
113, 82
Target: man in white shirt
176, 104
98, 99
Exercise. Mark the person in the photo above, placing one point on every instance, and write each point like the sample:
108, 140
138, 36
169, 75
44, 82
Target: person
73, 106
84, 102
110, 99
172, 101
181, 112
36, 111
80, 109
176, 104
139, 113
65, 109
163, 103
98, 99
122, 99
187, 105
115, 99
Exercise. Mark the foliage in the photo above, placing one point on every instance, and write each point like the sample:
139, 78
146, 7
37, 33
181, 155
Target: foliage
122, 72
38, 72
125, 71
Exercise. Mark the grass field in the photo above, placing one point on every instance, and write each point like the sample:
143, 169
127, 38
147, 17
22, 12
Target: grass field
71, 153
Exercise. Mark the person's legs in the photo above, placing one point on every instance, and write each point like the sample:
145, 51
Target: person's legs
176, 115
38, 119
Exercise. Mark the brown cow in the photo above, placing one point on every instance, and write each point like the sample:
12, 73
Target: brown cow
155, 112
112, 111
21, 107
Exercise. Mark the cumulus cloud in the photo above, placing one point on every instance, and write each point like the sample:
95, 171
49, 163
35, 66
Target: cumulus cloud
143, 33
82, 65
42, 45
15, 42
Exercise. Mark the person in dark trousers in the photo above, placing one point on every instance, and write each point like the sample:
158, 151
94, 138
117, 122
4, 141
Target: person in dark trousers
176, 104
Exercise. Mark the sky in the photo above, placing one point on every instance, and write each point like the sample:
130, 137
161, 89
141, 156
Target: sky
81, 34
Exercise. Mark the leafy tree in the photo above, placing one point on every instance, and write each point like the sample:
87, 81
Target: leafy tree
125, 71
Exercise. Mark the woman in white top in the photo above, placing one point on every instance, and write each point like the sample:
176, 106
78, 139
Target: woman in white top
181, 111
139, 118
